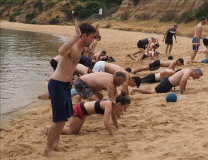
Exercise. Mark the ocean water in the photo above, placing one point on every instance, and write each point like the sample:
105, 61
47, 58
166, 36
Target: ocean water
25, 66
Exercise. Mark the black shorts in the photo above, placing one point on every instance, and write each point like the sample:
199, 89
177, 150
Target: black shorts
144, 56
53, 64
140, 44
169, 41
164, 86
154, 65
83, 89
150, 78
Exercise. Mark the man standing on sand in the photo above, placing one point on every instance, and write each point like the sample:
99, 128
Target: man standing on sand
178, 79
59, 84
168, 37
197, 37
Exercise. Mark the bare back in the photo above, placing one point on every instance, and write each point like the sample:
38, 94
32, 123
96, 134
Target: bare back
165, 63
99, 81
198, 31
176, 78
67, 65
81, 69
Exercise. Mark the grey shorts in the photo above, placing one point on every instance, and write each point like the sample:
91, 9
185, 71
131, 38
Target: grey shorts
83, 89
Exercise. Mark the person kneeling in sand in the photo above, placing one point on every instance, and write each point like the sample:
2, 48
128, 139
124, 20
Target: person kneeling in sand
82, 70
158, 77
179, 78
158, 63
102, 66
89, 86
106, 107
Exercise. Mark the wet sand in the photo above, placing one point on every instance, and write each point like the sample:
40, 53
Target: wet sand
151, 128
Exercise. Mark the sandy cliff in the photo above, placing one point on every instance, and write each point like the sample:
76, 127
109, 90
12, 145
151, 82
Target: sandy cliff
152, 8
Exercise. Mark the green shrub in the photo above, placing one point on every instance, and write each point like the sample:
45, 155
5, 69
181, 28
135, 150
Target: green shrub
32, 22
108, 5
50, 5
94, 6
67, 4
2, 2
86, 13
31, 16
39, 4
54, 21
202, 12
78, 9
124, 16
190, 17
12, 18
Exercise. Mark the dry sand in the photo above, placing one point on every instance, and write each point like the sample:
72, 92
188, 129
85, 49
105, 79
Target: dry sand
152, 128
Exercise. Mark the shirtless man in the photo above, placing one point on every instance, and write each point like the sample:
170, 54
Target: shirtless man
102, 66
98, 55
90, 85
197, 37
168, 37
158, 63
158, 77
178, 79
58, 86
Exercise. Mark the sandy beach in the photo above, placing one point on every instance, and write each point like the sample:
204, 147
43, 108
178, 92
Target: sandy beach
150, 129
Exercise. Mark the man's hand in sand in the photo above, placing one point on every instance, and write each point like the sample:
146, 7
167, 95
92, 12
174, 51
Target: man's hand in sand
77, 29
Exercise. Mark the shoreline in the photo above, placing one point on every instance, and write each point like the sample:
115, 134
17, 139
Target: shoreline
150, 121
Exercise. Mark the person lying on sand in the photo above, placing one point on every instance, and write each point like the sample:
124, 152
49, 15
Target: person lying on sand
106, 107
179, 78
158, 77
98, 55
107, 58
141, 45
82, 70
152, 55
102, 66
158, 63
89, 86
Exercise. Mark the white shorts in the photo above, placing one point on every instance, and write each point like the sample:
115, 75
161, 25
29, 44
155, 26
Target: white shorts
99, 66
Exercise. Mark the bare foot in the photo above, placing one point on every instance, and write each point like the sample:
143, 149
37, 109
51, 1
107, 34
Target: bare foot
49, 153
128, 55
56, 148
131, 91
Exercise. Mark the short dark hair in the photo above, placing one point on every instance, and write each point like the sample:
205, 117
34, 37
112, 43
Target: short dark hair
137, 80
203, 18
91, 65
175, 25
87, 29
103, 52
157, 45
121, 74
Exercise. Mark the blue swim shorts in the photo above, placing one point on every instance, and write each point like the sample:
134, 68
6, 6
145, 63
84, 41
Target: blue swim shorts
195, 44
60, 94
204, 60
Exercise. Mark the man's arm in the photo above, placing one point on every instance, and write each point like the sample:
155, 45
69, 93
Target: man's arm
111, 90
148, 47
199, 33
171, 66
183, 81
175, 37
165, 35
97, 56
65, 48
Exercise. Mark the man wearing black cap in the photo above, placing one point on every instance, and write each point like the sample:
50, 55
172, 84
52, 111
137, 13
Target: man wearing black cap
158, 63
